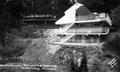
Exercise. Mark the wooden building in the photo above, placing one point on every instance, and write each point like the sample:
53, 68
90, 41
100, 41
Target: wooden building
81, 27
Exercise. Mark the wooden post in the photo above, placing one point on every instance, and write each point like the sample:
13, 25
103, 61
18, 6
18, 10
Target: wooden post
45, 20
98, 40
83, 38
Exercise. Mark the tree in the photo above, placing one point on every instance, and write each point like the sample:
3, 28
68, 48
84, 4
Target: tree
115, 17
11, 12
112, 44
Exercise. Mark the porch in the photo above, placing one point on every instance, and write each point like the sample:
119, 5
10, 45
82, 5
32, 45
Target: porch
81, 40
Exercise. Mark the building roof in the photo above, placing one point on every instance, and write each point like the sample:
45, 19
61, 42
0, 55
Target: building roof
78, 13
41, 17
69, 16
83, 11
73, 8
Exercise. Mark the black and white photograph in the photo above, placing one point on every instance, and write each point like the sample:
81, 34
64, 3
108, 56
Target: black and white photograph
59, 35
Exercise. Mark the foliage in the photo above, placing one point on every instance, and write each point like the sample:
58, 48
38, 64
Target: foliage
112, 47
10, 12
115, 17
112, 44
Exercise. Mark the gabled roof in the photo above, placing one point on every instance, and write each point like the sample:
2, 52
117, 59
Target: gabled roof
71, 14
74, 7
78, 13
83, 11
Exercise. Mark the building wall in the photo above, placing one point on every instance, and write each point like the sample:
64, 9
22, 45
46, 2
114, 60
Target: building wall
88, 30
85, 39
